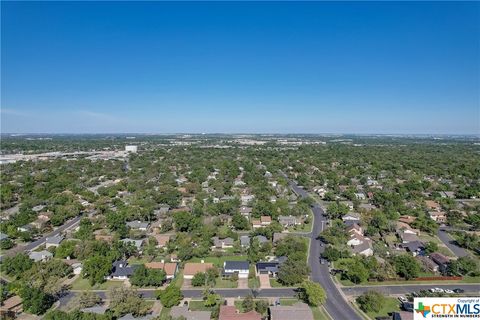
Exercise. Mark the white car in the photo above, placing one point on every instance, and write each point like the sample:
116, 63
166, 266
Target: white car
449, 291
439, 290
402, 299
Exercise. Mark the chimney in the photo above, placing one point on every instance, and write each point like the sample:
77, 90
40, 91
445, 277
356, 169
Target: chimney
202, 261
163, 261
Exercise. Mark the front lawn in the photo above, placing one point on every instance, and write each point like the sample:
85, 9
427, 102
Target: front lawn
253, 283
319, 313
288, 301
390, 305
198, 305
83, 284
225, 283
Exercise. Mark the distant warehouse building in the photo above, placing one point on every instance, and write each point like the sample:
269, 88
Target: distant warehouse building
132, 149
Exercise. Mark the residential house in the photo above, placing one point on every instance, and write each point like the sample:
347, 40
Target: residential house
137, 243
355, 239
441, 260
11, 307
246, 199
355, 228
256, 223
245, 241
270, 267
192, 268
261, 239
360, 196
265, 220
288, 221
296, 311
432, 205
231, 313
438, 216
222, 243
43, 255
415, 247
138, 225
162, 240
182, 311
239, 267
427, 263
407, 219
170, 268
351, 218
364, 248
121, 271
245, 211
53, 241
77, 268
25, 228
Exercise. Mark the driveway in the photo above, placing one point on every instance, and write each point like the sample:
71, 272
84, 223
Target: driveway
242, 283
450, 243
264, 281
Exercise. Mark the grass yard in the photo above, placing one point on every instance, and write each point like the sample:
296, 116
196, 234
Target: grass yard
165, 313
319, 313
83, 284
253, 283
274, 283
218, 261
288, 301
238, 304
225, 283
135, 260
178, 280
389, 305
197, 305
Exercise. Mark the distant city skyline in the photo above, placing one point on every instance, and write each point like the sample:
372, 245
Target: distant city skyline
240, 67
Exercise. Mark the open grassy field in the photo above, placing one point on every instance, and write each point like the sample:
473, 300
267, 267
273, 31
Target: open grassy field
390, 305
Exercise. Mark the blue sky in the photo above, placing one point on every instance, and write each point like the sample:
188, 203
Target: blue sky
310, 67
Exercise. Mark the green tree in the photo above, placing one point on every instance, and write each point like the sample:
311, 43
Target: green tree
66, 249
261, 306
171, 296
35, 301
463, 266
312, 293
198, 279
16, 265
406, 266
240, 222
248, 304
371, 301
125, 300
96, 268
293, 272
430, 247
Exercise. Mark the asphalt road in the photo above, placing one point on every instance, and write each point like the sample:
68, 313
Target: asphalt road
336, 304
450, 243
198, 293
404, 289
34, 244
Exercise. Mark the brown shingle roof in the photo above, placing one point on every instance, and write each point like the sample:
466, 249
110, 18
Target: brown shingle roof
162, 239
231, 313
168, 267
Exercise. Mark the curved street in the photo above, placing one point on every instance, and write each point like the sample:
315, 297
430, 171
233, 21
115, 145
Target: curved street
336, 305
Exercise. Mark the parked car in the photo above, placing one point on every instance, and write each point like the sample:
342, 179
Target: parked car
458, 290
449, 291
402, 299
